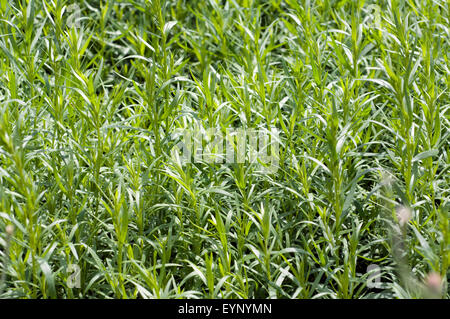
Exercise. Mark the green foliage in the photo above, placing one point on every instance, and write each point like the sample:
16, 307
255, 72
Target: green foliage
91, 92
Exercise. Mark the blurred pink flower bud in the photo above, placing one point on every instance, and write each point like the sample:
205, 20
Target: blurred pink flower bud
403, 215
9, 230
434, 282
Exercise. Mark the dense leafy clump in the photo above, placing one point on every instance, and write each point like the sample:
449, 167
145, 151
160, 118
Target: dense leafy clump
95, 202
